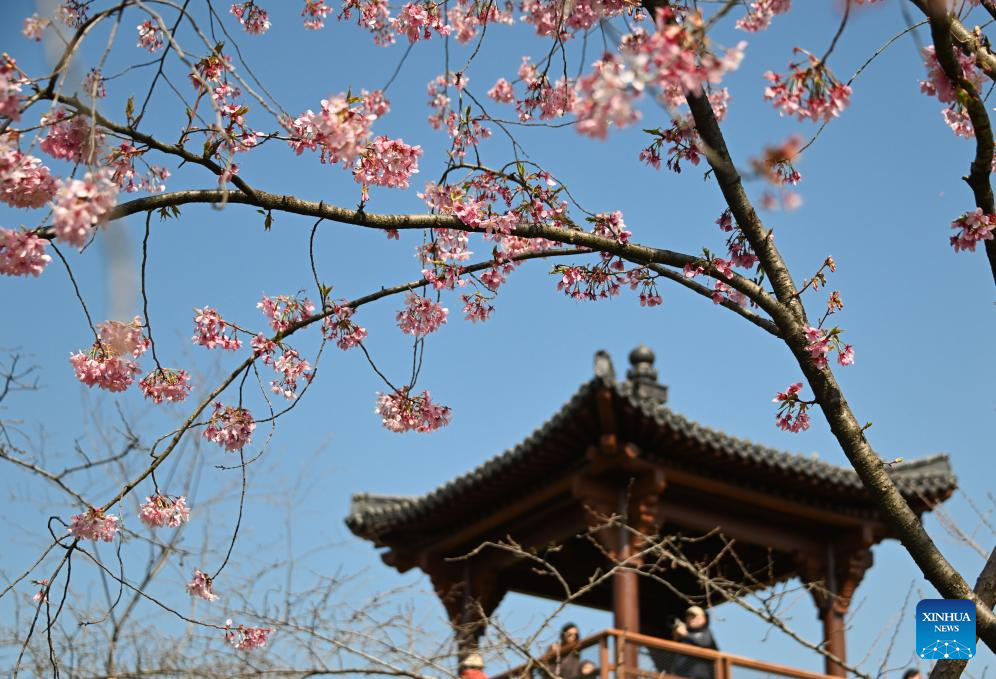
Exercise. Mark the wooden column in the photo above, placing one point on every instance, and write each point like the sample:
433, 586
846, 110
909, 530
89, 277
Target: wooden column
628, 489
833, 576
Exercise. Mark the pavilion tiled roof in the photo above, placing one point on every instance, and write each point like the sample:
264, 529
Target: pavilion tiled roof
639, 401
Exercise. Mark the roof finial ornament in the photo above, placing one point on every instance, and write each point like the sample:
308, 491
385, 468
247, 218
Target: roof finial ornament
642, 375
603, 366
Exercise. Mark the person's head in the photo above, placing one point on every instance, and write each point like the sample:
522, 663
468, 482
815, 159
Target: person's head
695, 617
911, 673
587, 668
472, 661
569, 633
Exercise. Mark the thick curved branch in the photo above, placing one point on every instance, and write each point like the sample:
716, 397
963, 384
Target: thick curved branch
849, 433
639, 254
978, 177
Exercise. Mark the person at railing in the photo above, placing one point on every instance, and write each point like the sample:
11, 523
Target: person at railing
911, 673
472, 667
694, 630
587, 670
566, 653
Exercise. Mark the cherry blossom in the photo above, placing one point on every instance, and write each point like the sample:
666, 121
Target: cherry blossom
972, 227
606, 97
760, 13
164, 384
80, 205
122, 339
400, 412
253, 18
938, 85
101, 368
341, 128
244, 638
73, 12
373, 15
201, 586
160, 511
419, 19
811, 92
846, 356
552, 100
121, 161
22, 253
502, 92
210, 328
792, 415
476, 307
339, 326
42, 594
466, 16
283, 311
387, 162
421, 316
230, 427
70, 137
94, 524
150, 36
94, 84
34, 27
10, 88
316, 11
292, 367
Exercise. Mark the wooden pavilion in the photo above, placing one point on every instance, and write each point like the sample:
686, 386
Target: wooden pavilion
616, 450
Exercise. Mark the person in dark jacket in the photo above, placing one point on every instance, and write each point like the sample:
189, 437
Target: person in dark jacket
694, 631
566, 654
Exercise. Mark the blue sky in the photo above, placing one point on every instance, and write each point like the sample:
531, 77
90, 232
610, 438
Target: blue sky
880, 186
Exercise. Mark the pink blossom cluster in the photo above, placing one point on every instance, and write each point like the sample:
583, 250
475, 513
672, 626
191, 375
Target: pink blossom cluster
283, 311
421, 316
24, 181
109, 365
315, 12
94, 524
94, 85
230, 427
419, 19
387, 162
339, 326
792, 415
739, 249
121, 161
761, 12
100, 369
253, 18
466, 16
164, 384
73, 13
642, 278
373, 15
466, 131
211, 333
34, 26
80, 205
341, 128
150, 36
400, 412
559, 19
244, 638
938, 85
723, 291
476, 307
600, 281
682, 138
71, 137
820, 343
160, 511
972, 227
123, 339
289, 364
502, 92
553, 101
809, 91
211, 71
10, 89
606, 97
201, 586
22, 253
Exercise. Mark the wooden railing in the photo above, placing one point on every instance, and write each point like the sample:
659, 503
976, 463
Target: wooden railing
619, 657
